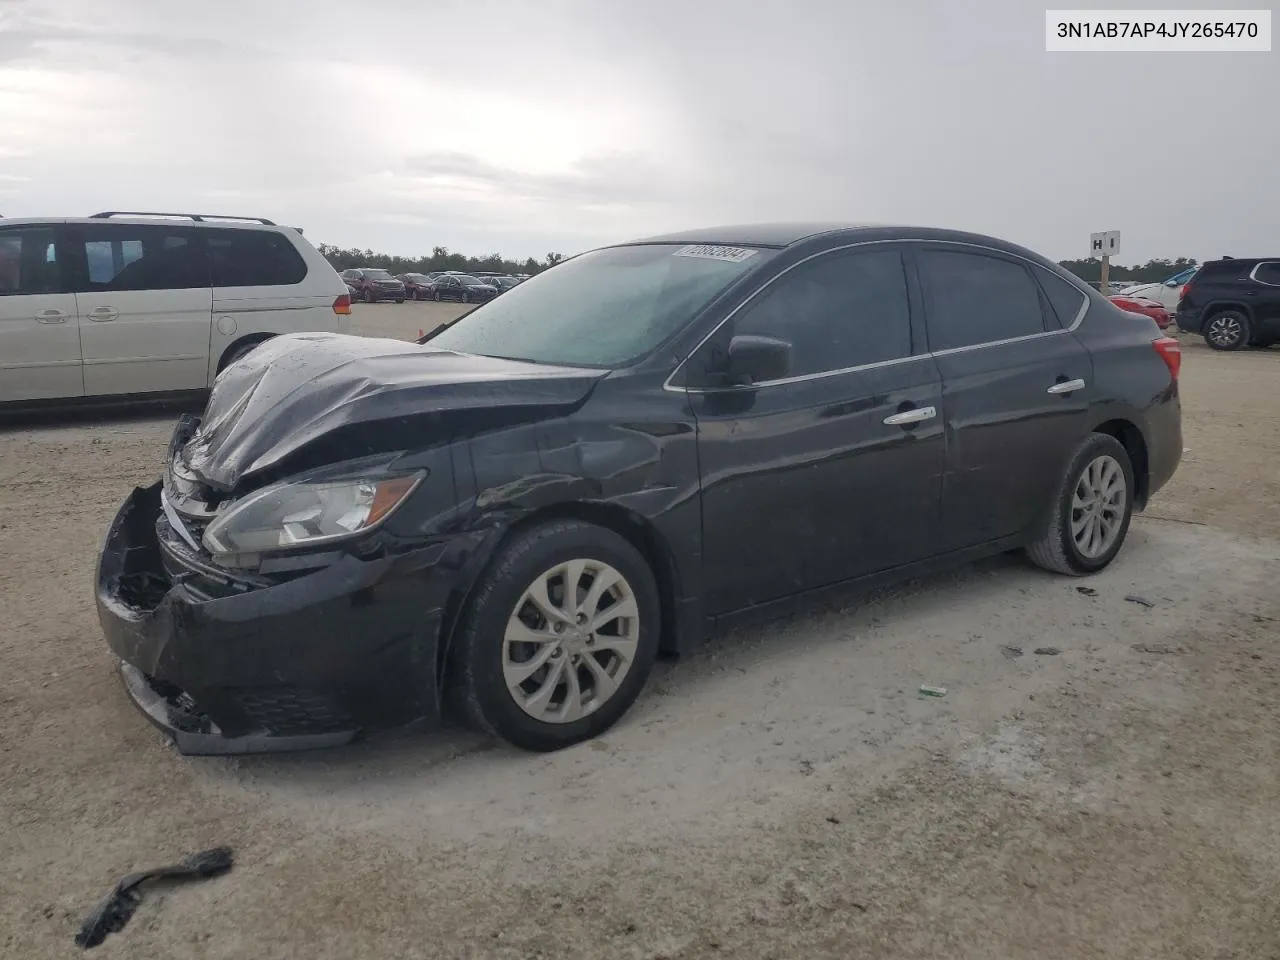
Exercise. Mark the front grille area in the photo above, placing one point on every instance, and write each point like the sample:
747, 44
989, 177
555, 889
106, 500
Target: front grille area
288, 711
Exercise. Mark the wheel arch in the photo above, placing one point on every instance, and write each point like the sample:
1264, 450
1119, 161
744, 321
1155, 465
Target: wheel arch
678, 624
1130, 436
1214, 307
248, 339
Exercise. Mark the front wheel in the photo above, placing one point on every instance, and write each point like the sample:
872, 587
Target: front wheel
466, 297
1228, 330
369, 296
436, 296
1089, 519
559, 637
399, 299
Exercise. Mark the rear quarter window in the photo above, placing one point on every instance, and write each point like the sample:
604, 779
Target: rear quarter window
1065, 298
254, 258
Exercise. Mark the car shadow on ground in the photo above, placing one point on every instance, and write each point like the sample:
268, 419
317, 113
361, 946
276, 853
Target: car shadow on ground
811, 631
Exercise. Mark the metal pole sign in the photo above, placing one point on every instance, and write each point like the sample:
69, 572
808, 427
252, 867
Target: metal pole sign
1105, 244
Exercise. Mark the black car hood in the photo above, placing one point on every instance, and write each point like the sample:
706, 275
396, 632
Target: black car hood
339, 397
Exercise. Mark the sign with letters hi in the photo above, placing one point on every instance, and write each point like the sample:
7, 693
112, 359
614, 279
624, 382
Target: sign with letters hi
1106, 244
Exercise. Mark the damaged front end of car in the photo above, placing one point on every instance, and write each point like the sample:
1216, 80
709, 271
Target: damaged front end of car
260, 596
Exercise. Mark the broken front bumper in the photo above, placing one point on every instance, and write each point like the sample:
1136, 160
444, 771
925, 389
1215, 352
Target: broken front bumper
235, 666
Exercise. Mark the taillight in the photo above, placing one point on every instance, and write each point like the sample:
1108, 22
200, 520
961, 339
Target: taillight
1184, 291
342, 305
1171, 353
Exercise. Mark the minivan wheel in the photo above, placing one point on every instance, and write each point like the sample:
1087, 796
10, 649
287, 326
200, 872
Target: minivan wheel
1091, 511
1228, 330
559, 637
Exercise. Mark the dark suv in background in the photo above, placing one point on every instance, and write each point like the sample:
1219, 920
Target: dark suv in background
1233, 303
372, 284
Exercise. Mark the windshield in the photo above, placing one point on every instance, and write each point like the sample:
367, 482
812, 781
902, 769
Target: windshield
463, 278
378, 275
602, 309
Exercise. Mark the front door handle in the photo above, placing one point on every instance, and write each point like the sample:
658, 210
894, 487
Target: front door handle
51, 316
102, 314
1067, 386
911, 416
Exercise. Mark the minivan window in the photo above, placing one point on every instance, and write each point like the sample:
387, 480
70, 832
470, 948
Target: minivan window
605, 308
28, 262
973, 298
840, 310
1065, 298
143, 257
254, 258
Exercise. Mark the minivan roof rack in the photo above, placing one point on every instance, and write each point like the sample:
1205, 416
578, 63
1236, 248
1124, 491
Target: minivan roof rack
199, 217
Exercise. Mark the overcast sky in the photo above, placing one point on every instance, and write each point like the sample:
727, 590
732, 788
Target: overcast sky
524, 127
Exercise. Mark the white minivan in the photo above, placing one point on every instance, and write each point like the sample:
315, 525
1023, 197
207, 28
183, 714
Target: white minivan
147, 305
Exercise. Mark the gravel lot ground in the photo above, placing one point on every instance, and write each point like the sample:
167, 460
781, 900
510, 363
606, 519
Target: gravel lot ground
783, 793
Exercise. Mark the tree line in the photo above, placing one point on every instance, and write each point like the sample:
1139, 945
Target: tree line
1150, 272
442, 258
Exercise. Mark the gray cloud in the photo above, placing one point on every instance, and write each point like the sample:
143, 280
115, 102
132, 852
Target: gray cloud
525, 128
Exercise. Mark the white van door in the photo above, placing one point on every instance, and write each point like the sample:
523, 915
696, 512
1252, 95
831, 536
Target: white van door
145, 308
39, 328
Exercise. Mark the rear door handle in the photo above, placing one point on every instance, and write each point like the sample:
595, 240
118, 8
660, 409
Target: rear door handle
1067, 386
51, 316
911, 416
102, 314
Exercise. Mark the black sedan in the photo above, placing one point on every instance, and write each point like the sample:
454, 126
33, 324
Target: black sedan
462, 288
633, 449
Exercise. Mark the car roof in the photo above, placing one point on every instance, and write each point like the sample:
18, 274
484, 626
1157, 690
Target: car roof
789, 234
175, 220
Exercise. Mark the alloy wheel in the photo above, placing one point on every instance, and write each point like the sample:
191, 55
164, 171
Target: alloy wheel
1225, 330
570, 641
1098, 506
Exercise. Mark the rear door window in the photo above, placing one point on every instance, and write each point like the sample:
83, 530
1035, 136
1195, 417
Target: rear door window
977, 298
254, 258
1268, 273
122, 256
29, 261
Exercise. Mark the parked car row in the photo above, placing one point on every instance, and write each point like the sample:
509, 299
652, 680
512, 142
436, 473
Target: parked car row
374, 284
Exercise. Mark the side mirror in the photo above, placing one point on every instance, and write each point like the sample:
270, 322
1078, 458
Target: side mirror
754, 359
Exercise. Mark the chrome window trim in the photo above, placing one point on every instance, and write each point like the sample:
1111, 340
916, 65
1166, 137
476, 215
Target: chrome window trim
1264, 263
1084, 308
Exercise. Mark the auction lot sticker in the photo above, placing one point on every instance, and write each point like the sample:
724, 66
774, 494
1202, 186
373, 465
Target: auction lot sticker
710, 251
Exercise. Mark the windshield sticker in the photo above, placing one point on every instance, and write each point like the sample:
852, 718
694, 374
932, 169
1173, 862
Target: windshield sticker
707, 251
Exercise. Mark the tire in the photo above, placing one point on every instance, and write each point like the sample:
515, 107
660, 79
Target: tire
369, 297
436, 294
1056, 547
466, 297
399, 299
1227, 330
482, 655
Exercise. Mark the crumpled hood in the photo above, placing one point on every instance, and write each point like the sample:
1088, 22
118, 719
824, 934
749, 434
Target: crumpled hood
298, 390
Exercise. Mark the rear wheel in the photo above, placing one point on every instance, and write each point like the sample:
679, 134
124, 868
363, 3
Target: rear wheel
1092, 508
559, 638
1227, 330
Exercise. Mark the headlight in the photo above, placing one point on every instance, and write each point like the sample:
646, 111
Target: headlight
307, 512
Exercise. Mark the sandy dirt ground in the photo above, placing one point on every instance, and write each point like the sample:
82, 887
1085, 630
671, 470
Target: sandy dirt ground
1100, 780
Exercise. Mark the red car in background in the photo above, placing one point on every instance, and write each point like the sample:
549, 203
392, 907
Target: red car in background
1150, 308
